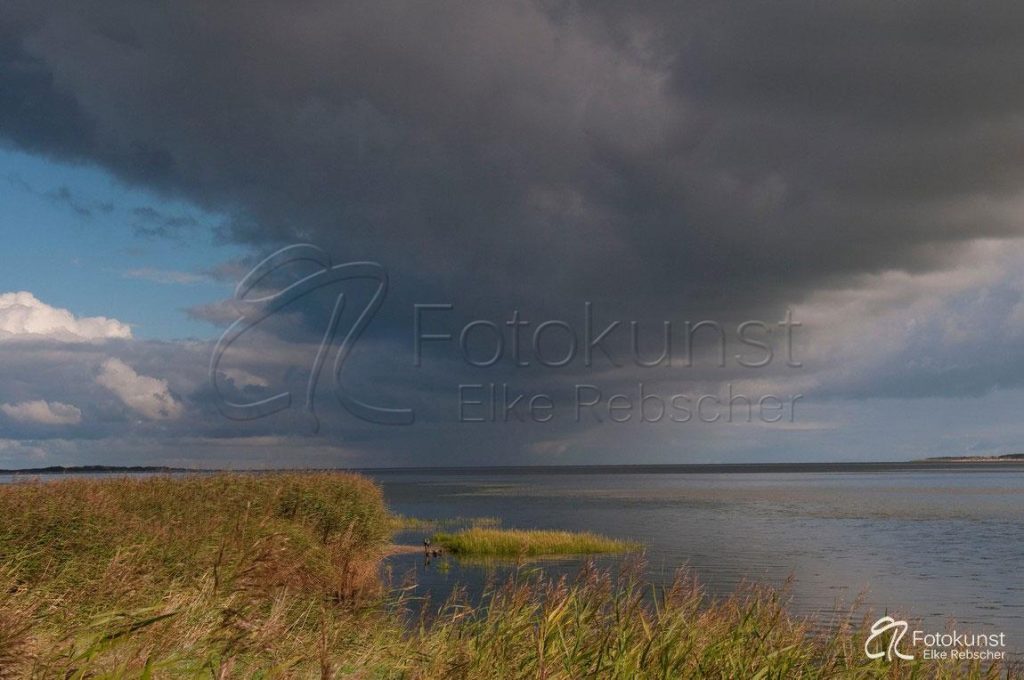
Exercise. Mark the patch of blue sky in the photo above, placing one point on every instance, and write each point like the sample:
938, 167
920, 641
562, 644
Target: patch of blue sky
80, 239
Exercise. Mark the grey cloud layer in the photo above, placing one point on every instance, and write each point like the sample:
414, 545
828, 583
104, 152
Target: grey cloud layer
668, 160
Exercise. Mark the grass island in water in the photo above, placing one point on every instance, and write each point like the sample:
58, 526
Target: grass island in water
486, 542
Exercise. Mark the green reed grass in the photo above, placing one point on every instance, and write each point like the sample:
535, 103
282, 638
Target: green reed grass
487, 542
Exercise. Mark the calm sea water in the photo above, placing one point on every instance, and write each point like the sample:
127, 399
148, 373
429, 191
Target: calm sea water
937, 545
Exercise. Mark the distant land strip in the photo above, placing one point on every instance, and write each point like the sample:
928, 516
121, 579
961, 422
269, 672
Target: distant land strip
935, 463
88, 469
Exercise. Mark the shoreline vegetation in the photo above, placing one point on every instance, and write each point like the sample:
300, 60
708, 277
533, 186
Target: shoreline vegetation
279, 576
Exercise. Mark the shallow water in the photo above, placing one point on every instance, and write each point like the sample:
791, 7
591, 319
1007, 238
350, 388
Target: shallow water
937, 545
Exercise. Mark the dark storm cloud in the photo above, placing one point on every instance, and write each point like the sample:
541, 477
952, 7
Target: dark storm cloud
34, 112
731, 154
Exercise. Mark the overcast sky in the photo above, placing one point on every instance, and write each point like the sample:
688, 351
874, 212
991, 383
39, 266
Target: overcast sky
843, 178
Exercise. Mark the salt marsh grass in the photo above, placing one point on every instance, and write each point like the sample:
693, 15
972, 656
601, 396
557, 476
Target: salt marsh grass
486, 542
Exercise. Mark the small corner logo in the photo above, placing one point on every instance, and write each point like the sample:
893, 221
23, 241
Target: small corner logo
882, 625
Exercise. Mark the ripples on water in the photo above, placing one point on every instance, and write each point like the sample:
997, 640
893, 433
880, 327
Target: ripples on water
935, 545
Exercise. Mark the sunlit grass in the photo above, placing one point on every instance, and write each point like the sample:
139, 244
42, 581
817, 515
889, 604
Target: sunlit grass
90, 564
486, 542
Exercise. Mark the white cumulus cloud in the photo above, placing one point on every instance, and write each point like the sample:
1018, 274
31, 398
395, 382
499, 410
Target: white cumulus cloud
22, 314
44, 412
148, 396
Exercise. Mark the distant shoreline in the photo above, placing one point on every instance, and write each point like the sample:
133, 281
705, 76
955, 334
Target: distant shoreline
937, 463
1005, 458
96, 469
